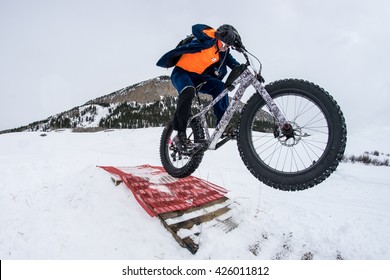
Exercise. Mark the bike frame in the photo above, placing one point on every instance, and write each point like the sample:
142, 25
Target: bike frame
245, 79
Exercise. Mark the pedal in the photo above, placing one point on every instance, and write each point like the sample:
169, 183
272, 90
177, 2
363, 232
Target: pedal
230, 136
192, 150
230, 133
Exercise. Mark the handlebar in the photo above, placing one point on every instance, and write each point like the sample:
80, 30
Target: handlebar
241, 49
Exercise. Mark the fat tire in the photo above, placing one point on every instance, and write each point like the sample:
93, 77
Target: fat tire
323, 167
194, 160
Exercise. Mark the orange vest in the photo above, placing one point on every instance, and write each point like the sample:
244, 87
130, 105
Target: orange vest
198, 62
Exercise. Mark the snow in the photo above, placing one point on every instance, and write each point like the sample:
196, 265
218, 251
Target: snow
96, 116
55, 203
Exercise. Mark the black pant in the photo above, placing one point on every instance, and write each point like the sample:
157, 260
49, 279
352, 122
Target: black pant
183, 109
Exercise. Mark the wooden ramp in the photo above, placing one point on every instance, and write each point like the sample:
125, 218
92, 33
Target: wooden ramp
186, 207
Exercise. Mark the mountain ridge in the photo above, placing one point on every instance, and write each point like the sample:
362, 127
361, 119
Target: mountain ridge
149, 103
145, 92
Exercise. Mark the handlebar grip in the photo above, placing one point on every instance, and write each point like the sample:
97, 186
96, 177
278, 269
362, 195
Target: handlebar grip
238, 46
234, 74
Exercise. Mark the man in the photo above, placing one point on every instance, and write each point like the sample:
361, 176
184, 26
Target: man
204, 60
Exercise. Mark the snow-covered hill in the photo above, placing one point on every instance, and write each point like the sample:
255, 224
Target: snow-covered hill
56, 204
149, 103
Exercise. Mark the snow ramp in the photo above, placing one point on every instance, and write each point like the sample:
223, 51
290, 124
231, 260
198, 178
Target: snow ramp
183, 205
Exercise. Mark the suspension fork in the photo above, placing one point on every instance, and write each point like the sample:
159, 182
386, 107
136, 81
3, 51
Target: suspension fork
283, 124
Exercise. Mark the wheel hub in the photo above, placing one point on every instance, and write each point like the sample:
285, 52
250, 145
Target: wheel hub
291, 134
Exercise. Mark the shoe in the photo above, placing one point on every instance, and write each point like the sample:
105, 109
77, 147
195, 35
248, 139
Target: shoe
185, 145
182, 136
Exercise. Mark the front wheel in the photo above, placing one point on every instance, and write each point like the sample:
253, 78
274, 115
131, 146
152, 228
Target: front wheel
303, 158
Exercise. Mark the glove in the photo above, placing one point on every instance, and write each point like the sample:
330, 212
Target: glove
238, 46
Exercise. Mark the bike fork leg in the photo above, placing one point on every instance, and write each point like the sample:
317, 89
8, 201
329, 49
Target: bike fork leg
270, 104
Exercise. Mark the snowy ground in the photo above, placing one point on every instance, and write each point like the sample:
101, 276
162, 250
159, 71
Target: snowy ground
56, 204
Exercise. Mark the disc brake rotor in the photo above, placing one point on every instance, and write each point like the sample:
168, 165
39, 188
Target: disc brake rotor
291, 139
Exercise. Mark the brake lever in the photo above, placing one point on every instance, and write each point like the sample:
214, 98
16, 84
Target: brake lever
246, 54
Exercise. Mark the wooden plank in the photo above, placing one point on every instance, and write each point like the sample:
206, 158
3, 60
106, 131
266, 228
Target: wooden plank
185, 242
178, 239
196, 213
174, 214
191, 245
198, 220
116, 181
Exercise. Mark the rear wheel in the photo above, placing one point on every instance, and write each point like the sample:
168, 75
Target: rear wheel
176, 164
299, 159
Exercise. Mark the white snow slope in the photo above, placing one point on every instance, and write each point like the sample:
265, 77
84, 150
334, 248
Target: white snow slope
56, 204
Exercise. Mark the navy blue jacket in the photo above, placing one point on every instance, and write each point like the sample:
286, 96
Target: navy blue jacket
201, 42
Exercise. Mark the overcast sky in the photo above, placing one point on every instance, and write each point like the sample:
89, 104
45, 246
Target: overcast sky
55, 55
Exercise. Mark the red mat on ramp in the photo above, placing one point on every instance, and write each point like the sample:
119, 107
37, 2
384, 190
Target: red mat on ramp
158, 192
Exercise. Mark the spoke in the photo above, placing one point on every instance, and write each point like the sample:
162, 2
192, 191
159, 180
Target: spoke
308, 145
300, 159
314, 141
311, 146
261, 137
277, 147
302, 110
306, 148
313, 120
271, 154
264, 150
293, 158
316, 130
284, 164
280, 152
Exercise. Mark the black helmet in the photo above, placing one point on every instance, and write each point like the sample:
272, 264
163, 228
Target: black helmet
229, 35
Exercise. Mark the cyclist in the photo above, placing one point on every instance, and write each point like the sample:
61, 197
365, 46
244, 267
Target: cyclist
203, 60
